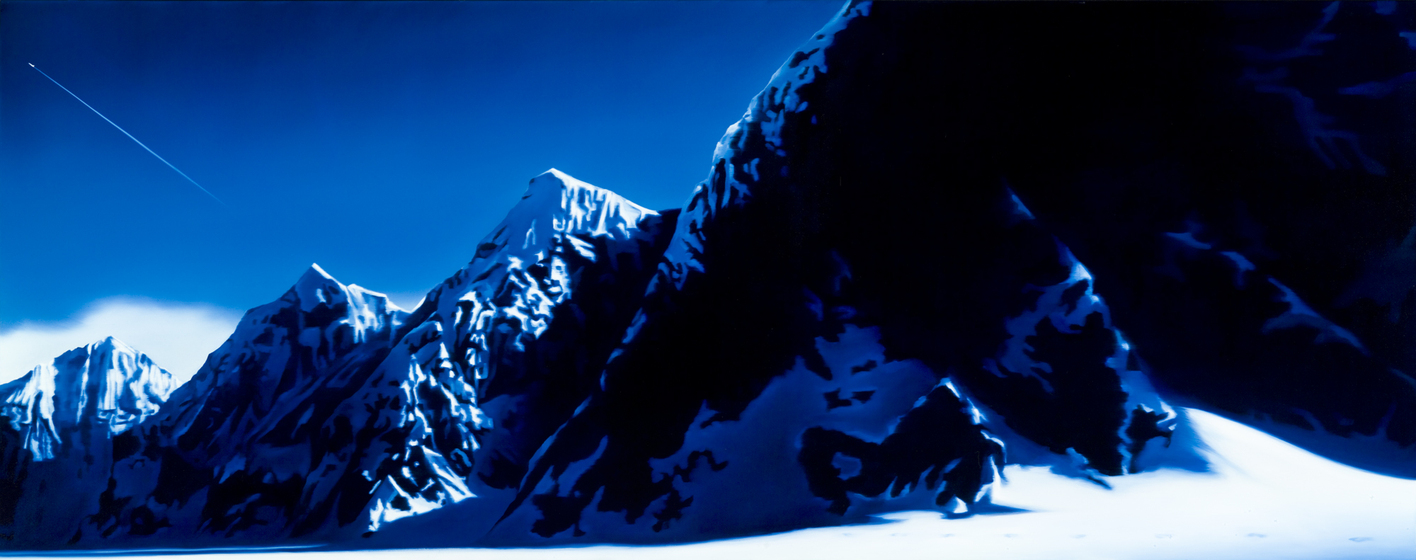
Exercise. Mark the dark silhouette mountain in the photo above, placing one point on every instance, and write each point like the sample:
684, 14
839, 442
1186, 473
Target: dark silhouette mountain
966, 181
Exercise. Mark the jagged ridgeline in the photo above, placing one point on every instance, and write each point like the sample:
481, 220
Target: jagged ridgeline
331, 412
945, 238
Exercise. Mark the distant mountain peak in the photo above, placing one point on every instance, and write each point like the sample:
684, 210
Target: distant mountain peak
104, 384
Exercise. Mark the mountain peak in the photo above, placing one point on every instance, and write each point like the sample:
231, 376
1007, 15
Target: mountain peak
557, 203
317, 314
110, 343
317, 287
316, 273
106, 383
556, 183
555, 178
558, 212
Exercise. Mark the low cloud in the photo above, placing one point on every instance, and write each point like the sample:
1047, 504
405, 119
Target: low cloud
177, 336
406, 300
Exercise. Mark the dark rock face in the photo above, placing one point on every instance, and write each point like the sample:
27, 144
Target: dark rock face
940, 174
1237, 180
806, 228
1232, 177
923, 448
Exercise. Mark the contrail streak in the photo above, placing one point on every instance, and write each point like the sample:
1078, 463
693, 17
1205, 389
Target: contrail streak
120, 129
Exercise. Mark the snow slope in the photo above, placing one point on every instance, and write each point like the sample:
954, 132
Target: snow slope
1256, 500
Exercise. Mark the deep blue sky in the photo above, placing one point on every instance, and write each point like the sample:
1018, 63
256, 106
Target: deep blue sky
381, 140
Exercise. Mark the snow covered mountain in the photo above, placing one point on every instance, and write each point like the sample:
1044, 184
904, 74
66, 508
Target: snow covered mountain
494, 360
106, 385
945, 240
230, 450
57, 425
330, 412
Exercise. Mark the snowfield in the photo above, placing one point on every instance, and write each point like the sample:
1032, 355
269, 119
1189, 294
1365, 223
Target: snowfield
1261, 499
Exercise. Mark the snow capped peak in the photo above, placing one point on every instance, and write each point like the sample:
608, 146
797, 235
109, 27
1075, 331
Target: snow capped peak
315, 323
419, 416
111, 346
556, 203
558, 215
317, 287
316, 274
106, 383
556, 179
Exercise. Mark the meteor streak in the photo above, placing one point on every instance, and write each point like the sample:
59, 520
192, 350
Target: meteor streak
120, 129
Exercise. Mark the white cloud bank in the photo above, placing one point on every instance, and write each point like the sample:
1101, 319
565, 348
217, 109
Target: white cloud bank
406, 300
177, 336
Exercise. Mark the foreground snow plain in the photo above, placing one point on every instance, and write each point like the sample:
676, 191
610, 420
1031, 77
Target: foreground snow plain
1260, 499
